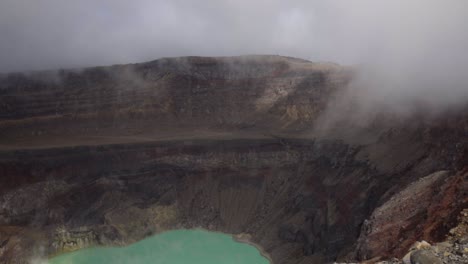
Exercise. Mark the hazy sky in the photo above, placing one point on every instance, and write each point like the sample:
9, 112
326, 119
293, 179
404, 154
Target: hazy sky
39, 34
408, 44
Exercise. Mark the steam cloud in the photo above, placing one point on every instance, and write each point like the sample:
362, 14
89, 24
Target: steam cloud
405, 51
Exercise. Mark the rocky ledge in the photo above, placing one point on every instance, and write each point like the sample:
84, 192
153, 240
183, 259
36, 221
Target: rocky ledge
451, 251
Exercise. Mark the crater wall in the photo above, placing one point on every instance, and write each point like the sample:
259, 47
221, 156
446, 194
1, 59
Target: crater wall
108, 156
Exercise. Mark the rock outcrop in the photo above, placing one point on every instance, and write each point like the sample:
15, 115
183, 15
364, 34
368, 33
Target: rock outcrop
453, 250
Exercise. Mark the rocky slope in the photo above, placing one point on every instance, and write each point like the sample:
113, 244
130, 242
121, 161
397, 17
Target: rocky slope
109, 155
451, 251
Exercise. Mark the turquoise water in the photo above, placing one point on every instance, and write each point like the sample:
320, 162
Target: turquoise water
173, 247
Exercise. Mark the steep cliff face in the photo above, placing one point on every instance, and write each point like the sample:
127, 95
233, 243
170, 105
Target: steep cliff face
107, 156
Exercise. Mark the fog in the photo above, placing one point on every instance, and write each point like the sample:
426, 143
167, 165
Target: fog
405, 50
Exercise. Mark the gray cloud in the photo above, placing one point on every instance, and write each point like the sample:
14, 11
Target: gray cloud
404, 49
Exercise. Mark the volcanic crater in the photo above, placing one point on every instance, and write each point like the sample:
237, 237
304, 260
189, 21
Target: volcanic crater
111, 155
